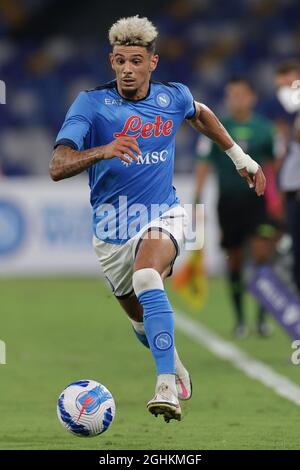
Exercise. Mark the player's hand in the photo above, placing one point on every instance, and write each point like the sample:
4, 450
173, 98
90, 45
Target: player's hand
257, 181
126, 148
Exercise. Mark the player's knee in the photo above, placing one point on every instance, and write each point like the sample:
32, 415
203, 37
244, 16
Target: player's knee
146, 279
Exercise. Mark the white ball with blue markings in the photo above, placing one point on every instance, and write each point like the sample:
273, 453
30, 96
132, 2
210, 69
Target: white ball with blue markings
86, 408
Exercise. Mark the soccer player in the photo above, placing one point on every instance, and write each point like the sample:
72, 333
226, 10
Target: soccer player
123, 134
287, 80
242, 216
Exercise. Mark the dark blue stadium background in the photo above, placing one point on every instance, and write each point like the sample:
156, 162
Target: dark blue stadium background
49, 50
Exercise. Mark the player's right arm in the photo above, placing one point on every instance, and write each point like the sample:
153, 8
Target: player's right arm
67, 162
71, 155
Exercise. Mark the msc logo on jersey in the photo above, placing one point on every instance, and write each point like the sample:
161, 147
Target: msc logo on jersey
163, 100
163, 341
148, 158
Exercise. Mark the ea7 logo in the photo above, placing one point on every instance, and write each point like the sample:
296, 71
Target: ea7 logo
295, 358
2, 92
110, 101
2, 352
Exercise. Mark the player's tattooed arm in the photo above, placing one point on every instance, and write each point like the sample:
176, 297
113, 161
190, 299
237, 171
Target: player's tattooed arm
206, 122
67, 162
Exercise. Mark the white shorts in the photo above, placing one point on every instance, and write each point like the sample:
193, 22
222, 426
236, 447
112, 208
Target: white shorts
117, 260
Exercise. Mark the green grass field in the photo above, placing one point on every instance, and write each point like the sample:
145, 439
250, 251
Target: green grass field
60, 330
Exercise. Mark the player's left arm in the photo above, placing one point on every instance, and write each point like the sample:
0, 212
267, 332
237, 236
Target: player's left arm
206, 122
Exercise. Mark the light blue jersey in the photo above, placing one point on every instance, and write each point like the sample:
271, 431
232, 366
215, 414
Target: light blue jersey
127, 197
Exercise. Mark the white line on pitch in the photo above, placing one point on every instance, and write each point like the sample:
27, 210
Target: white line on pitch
228, 351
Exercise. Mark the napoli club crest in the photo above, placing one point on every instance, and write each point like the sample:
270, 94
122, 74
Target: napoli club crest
163, 100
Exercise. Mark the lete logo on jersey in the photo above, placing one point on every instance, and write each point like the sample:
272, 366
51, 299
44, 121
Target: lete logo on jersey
134, 127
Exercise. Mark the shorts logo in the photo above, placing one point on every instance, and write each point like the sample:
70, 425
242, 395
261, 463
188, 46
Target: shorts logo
163, 341
163, 100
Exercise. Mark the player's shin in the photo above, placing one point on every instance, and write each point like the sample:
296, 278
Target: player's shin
158, 323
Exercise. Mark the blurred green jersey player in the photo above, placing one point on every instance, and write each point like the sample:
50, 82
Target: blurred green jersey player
242, 216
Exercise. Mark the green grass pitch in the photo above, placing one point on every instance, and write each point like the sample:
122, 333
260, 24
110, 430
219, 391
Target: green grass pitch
60, 330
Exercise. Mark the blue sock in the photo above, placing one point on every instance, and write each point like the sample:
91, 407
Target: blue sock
142, 338
159, 328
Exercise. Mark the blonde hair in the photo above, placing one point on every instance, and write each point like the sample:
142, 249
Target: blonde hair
133, 31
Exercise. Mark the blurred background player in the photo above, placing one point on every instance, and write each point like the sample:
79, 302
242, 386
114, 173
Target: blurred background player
242, 216
288, 75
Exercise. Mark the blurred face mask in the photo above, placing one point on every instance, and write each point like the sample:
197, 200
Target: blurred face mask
289, 97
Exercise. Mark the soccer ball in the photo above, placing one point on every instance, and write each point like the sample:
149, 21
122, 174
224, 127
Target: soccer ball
86, 408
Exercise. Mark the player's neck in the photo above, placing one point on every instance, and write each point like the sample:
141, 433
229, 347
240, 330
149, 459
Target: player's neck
242, 116
139, 94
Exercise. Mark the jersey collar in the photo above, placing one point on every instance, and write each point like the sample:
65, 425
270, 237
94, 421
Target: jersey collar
128, 99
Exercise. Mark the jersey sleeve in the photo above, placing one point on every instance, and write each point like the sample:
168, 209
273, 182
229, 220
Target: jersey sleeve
186, 100
77, 124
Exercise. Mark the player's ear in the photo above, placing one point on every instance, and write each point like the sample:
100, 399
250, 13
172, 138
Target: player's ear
153, 62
